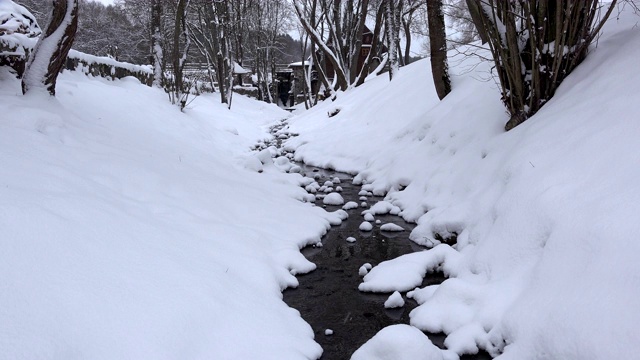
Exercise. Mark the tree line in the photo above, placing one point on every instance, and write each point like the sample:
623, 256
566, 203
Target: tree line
534, 44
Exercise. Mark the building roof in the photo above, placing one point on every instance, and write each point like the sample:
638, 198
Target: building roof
299, 63
239, 70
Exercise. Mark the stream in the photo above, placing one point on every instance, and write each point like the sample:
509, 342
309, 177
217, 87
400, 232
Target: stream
328, 297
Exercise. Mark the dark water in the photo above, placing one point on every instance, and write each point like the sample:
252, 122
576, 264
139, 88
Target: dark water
328, 298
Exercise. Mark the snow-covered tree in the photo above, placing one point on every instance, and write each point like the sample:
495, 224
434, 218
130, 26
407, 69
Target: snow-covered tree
536, 45
336, 27
392, 18
179, 55
157, 54
51, 50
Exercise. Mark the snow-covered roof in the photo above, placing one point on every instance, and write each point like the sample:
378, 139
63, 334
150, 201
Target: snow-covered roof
299, 63
237, 69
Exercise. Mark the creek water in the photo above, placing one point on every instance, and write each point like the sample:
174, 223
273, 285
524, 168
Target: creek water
328, 297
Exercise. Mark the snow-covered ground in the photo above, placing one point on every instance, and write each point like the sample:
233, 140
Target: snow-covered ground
546, 215
131, 230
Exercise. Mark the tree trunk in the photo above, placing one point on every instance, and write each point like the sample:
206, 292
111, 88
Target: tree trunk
50, 53
179, 31
156, 43
390, 26
438, 48
536, 45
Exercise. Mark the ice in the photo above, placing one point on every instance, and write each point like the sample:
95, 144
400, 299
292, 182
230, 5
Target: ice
394, 301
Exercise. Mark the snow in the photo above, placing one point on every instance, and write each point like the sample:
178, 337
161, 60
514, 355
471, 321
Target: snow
395, 300
239, 70
333, 199
366, 226
351, 239
369, 217
350, 205
328, 332
15, 18
132, 230
391, 227
546, 253
364, 269
398, 342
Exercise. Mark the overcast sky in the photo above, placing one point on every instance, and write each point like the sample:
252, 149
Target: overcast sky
106, 2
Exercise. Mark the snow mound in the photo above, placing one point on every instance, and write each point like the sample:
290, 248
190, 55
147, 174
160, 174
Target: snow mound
366, 226
394, 301
391, 227
350, 205
406, 272
398, 342
333, 199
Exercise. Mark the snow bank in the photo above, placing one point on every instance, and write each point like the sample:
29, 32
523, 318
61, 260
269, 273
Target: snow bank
542, 216
133, 231
398, 342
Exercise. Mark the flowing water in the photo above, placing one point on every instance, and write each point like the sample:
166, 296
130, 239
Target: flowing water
328, 297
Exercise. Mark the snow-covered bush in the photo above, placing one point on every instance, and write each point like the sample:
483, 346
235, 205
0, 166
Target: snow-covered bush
18, 28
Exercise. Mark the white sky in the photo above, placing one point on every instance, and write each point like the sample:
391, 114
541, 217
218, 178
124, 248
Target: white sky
106, 2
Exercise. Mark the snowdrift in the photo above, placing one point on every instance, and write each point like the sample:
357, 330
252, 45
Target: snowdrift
545, 262
131, 230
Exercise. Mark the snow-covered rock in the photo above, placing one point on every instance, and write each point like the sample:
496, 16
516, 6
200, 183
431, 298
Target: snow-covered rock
394, 301
350, 205
366, 226
333, 199
364, 269
391, 227
398, 342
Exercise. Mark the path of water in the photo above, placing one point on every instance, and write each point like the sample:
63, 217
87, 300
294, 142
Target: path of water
328, 298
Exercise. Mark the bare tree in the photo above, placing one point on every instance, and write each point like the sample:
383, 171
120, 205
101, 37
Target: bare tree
336, 27
156, 43
179, 58
536, 45
393, 15
438, 48
51, 50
